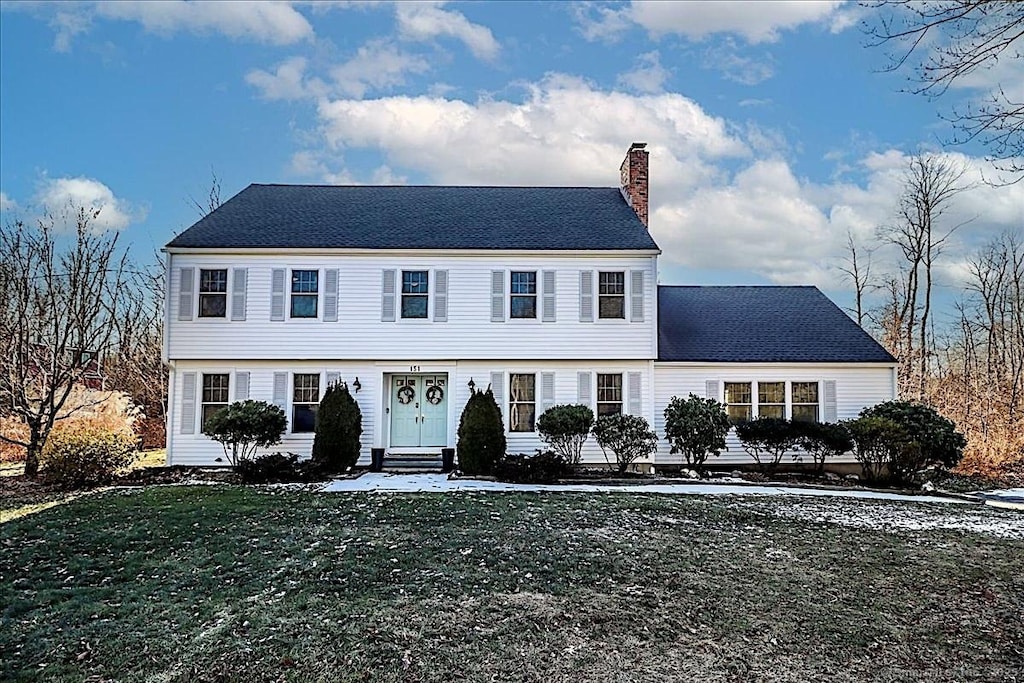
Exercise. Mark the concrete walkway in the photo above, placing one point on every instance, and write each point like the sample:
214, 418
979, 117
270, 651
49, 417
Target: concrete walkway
440, 483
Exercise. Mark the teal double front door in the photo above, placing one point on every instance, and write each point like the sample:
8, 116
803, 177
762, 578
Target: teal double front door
419, 411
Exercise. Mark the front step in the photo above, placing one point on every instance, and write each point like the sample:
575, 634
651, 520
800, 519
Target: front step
412, 462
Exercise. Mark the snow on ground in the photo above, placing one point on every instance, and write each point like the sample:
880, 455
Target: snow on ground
851, 508
440, 483
896, 518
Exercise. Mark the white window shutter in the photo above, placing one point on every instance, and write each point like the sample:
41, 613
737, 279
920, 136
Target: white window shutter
830, 412
547, 391
548, 303
281, 390
498, 389
333, 377
633, 389
440, 296
584, 383
277, 294
186, 293
331, 295
239, 280
636, 298
387, 296
711, 389
241, 386
188, 403
497, 296
586, 296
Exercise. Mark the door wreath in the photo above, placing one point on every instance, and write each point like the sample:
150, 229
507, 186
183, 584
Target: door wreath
435, 395
406, 394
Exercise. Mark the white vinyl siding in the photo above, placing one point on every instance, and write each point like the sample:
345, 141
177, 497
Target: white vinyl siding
855, 387
368, 310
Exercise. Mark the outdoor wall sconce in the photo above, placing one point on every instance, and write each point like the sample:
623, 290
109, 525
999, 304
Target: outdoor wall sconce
472, 385
356, 385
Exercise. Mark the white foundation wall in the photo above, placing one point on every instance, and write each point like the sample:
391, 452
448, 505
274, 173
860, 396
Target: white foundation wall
359, 331
857, 387
373, 397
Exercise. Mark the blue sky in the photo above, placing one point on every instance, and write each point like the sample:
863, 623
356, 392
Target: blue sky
772, 131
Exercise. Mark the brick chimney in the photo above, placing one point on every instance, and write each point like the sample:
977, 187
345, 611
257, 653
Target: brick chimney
633, 179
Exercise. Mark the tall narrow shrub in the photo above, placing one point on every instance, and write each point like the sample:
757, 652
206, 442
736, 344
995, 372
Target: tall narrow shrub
339, 424
481, 434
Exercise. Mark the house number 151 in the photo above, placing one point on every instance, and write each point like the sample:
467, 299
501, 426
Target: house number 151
414, 368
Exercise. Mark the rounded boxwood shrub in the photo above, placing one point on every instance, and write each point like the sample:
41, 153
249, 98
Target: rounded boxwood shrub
83, 455
543, 467
696, 427
878, 444
481, 434
339, 424
244, 426
930, 439
628, 437
565, 429
822, 440
767, 440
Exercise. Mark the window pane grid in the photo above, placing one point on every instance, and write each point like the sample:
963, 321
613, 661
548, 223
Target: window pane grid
524, 282
609, 394
611, 290
522, 403
771, 399
738, 399
213, 281
307, 388
304, 281
414, 282
415, 289
805, 401
214, 397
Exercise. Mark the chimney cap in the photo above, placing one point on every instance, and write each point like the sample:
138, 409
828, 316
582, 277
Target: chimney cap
638, 145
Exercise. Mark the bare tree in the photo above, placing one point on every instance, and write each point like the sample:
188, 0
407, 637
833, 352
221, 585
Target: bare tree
65, 299
212, 197
944, 42
930, 183
856, 269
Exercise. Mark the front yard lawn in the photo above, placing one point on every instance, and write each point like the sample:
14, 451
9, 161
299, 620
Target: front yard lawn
227, 583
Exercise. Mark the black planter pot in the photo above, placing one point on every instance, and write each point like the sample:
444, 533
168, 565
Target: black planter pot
447, 459
376, 459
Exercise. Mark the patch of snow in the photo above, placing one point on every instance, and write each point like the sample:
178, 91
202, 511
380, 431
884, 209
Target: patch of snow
896, 518
440, 483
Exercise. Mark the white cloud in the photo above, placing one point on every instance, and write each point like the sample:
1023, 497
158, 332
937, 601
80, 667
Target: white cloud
67, 25
648, 76
379, 65
563, 132
58, 195
727, 59
287, 82
6, 203
758, 217
757, 22
425, 21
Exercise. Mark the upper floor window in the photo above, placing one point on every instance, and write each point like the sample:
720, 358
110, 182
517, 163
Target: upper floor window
609, 394
415, 291
305, 401
215, 397
524, 295
522, 403
805, 401
611, 295
738, 401
771, 400
305, 293
213, 292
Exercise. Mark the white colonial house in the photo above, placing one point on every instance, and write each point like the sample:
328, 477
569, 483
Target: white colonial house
413, 296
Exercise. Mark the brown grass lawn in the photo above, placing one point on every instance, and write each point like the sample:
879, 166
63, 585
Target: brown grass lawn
210, 583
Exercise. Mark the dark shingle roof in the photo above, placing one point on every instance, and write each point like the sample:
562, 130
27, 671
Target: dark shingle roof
421, 217
759, 325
